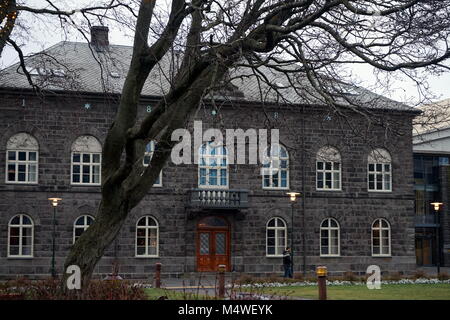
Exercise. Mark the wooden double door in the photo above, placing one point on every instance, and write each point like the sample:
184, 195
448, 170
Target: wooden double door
213, 244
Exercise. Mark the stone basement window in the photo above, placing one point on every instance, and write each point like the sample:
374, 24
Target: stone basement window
20, 237
80, 225
147, 237
276, 237
329, 238
381, 238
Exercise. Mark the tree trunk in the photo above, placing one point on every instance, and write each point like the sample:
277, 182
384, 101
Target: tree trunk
89, 248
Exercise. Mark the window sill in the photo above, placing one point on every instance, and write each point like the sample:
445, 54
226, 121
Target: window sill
21, 183
146, 257
328, 190
19, 258
331, 256
273, 256
275, 188
381, 256
379, 191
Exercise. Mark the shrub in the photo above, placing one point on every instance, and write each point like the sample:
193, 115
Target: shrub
443, 276
350, 276
394, 276
419, 274
49, 289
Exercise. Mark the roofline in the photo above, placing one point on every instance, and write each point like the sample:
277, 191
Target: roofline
103, 95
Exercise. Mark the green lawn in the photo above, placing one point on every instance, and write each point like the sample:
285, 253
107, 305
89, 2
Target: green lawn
361, 292
154, 294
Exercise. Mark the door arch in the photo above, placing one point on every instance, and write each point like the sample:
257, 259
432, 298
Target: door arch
213, 244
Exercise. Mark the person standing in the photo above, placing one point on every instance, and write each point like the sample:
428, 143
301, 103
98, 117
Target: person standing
287, 263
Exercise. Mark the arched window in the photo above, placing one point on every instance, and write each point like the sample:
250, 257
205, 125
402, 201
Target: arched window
20, 234
213, 166
276, 237
22, 159
381, 238
86, 161
147, 237
328, 167
329, 238
80, 225
276, 168
379, 170
149, 150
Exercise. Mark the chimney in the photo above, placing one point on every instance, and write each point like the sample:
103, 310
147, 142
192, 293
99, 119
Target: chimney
99, 38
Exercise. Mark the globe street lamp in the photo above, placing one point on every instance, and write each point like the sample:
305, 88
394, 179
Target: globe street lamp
54, 202
293, 199
437, 206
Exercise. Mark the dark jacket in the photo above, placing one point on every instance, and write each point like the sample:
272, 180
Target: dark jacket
286, 257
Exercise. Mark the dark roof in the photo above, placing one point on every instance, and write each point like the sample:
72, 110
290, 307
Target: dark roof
76, 66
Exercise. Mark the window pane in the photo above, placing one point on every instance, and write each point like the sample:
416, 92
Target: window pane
320, 165
76, 157
22, 156
336, 165
11, 172
86, 158
96, 158
32, 173
11, 155
21, 175
76, 178
32, 156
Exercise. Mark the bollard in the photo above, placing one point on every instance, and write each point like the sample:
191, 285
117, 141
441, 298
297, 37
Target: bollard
158, 275
321, 273
222, 268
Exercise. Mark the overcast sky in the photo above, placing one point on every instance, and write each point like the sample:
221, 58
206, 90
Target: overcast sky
401, 89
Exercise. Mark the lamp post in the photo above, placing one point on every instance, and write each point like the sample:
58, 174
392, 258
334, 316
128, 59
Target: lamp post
437, 206
293, 199
54, 202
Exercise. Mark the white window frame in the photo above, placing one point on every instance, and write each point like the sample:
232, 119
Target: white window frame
24, 143
83, 226
147, 227
275, 165
379, 157
328, 155
21, 226
380, 229
207, 155
150, 154
330, 230
276, 229
91, 148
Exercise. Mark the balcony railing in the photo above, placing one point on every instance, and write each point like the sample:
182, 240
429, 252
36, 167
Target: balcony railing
425, 220
218, 198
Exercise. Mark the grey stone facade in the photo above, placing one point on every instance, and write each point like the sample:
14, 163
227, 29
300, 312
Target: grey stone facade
57, 120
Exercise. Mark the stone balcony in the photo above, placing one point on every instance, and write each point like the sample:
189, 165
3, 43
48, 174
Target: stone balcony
208, 200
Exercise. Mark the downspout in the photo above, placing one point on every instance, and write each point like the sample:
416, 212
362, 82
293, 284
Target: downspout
303, 191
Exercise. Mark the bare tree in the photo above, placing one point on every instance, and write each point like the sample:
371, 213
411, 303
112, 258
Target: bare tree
307, 43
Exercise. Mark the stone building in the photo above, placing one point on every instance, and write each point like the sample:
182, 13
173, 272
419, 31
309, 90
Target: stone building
355, 177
